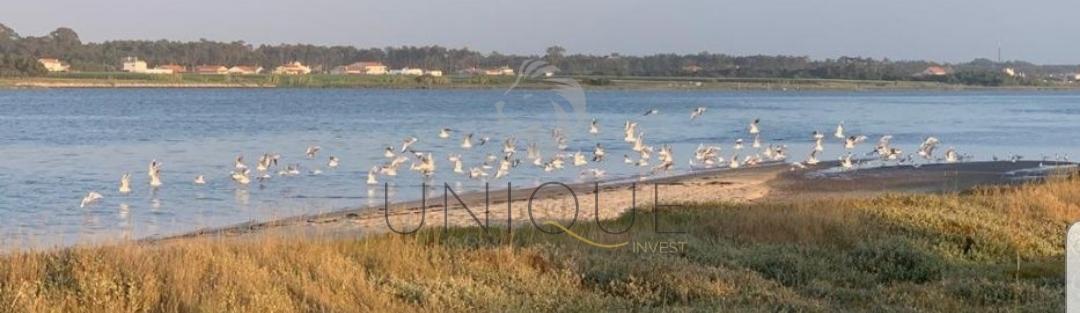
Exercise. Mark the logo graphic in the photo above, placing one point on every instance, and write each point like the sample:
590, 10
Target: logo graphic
563, 94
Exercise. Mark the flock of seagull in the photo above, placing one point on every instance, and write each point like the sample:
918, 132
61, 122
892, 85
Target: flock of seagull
590, 166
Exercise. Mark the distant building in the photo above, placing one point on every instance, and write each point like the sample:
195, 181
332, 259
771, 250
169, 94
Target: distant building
158, 70
1009, 71
407, 71
176, 69
505, 70
435, 73
691, 68
245, 70
54, 65
1076, 77
212, 69
360, 68
935, 71
134, 65
294, 68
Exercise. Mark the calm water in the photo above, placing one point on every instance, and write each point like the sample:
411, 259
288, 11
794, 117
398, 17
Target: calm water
56, 145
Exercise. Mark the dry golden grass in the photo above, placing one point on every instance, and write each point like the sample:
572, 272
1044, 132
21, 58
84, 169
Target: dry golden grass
887, 253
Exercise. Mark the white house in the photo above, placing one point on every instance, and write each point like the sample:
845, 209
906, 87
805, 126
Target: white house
294, 68
134, 65
54, 65
436, 73
407, 71
360, 68
245, 70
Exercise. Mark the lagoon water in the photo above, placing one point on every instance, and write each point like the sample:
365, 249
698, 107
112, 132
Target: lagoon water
56, 145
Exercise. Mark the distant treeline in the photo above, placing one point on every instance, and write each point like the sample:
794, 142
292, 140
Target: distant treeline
64, 44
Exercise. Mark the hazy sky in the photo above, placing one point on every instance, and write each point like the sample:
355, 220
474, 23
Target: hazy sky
1042, 31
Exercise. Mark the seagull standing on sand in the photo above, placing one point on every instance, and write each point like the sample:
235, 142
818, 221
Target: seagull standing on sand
845, 161
125, 183
311, 151
90, 198
697, 113
951, 156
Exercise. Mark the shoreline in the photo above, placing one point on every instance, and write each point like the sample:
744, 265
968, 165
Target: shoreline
613, 83
774, 182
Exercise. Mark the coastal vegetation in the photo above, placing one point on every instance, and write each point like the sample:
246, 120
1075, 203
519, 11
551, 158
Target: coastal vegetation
988, 249
64, 44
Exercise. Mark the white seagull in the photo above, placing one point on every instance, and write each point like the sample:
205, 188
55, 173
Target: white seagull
697, 113
125, 183
90, 198
311, 151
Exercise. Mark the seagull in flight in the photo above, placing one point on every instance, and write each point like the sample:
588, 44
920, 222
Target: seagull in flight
651, 112
408, 141
697, 113
311, 151
90, 198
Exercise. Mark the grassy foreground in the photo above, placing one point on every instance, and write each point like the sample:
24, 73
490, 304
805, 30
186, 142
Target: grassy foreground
902, 253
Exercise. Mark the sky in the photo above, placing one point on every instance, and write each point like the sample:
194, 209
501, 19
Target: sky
1040, 31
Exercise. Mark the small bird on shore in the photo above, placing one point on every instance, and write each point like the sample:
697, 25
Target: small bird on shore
926, 149
90, 198
125, 183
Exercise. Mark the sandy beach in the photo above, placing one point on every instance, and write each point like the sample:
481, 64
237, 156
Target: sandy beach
768, 182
